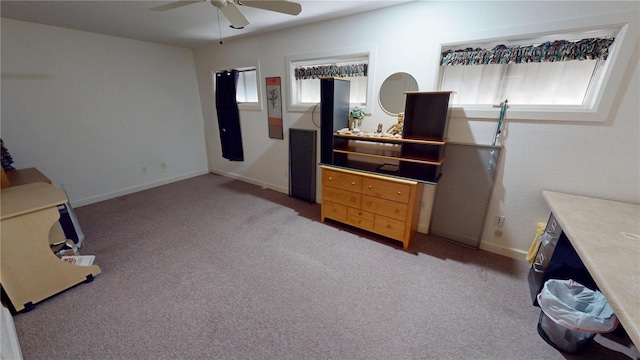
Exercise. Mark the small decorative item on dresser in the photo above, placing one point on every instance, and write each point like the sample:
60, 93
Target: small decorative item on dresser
355, 118
396, 129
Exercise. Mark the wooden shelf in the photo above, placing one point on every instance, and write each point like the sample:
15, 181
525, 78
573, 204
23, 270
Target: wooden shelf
390, 140
388, 155
418, 154
26, 176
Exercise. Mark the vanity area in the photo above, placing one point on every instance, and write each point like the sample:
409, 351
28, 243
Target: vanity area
30, 271
605, 235
375, 180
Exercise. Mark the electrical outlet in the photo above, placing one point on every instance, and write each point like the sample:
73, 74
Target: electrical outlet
163, 165
144, 169
499, 221
422, 205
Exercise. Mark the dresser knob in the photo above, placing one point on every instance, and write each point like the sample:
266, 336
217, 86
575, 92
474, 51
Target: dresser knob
397, 211
330, 178
388, 226
353, 183
353, 200
360, 213
368, 203
399, 192
370, 187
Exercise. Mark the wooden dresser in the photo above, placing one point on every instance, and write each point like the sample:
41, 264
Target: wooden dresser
381, 204
376, 182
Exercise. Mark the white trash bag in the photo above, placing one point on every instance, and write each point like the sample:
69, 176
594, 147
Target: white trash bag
576, 307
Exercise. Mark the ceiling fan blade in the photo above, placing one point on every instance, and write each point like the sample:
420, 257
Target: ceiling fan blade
175, 4
235, 17
285, 7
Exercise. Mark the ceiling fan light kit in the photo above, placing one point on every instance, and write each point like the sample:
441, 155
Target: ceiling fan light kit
233, 14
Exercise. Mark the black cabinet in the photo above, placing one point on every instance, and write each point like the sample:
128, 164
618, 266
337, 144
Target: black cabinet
426, 115
334, 115
418, 154
426, 120
302, 164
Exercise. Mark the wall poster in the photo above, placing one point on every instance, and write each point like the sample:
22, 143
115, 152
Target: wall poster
274, 107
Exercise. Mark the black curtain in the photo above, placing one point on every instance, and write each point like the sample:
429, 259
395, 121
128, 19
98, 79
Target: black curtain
228, 115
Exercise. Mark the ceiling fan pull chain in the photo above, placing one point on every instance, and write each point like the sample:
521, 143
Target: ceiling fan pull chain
219, 27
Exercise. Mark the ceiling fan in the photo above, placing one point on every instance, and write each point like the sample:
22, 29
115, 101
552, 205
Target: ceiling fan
231, 11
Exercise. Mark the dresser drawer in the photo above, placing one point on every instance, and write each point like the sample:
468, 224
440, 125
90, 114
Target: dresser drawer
334, 211
389, 227
386, 189
341, 180
340, 196
392, 209
359, 218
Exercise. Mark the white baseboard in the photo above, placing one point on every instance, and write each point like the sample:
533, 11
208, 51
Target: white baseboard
133, 189
492, 248
504, 251
251, 181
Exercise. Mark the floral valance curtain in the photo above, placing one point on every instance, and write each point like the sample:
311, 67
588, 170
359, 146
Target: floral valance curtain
315, 72
559, 50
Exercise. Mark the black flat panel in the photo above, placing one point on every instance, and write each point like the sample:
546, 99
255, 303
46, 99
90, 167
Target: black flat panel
463, 192
302, 164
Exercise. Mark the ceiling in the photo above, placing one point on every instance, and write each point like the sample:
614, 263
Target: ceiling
193, 25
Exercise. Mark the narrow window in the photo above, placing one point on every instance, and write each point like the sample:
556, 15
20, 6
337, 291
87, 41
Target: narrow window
247, 89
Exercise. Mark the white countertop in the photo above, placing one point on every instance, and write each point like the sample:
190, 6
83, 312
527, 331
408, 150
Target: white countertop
605, 234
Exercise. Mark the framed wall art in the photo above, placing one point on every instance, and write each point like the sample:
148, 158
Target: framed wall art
274, 107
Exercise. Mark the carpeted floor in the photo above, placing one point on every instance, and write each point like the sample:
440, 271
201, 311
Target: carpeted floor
213, 268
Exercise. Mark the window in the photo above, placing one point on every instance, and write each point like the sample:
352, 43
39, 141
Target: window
305, 72
308, 87
540, 74
546, 73
247, 89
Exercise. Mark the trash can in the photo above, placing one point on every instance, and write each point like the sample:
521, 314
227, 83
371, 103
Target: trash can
572, 314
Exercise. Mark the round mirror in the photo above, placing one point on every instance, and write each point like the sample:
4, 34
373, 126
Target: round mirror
392, 96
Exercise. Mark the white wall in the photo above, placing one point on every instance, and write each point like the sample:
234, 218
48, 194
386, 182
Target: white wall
89, 111
594, 159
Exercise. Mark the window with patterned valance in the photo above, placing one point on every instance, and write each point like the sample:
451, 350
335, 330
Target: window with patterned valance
352, 64
332, 70
550, 51
536, 71
559, 70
